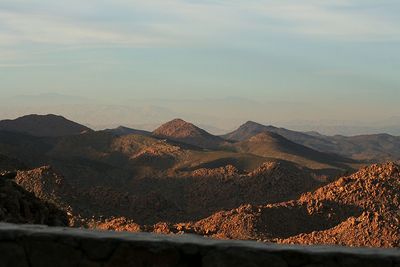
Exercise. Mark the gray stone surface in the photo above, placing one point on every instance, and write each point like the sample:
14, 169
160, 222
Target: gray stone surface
34, 245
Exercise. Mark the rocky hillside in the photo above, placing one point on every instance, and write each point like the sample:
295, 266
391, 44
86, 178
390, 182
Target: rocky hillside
46, 185
192, 196
182, 131
375, 192
43, 125
357, 210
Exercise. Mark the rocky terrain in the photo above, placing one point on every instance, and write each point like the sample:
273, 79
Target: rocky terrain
365, 205
181, 179
196, 195
375, 192
357, 210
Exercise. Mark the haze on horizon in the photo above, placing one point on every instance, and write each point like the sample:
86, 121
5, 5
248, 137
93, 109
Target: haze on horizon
216, 63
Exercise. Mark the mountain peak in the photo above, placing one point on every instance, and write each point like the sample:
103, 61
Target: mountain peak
178, 121
185, 132
249, 129
251, 124
178, 128
41, 117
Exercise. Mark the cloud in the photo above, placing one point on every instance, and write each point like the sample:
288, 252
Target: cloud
19, 28
179, 22
329, 19
340, 20
25, 65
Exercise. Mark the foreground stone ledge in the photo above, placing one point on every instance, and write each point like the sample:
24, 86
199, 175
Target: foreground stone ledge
36, 245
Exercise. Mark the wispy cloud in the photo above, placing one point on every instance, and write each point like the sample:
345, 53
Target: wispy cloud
25, 65
164, 22
49, 25
19, 28
331, 19
338, 20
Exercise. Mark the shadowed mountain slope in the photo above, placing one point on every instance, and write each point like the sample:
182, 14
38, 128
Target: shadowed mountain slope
10, 165
30, 150
43, 125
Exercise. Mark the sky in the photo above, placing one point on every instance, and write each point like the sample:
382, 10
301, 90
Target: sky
311, 60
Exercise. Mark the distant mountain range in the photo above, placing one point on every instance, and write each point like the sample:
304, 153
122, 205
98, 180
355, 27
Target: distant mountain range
368, 148
219, 117
376, 147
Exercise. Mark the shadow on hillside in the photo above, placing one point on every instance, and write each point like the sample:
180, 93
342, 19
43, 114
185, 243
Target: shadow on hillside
283, 221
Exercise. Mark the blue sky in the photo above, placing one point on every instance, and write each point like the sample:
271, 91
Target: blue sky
344, 53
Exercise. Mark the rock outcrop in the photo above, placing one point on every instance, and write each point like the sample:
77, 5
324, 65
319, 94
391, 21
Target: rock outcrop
375, 191
20, 206
358, 210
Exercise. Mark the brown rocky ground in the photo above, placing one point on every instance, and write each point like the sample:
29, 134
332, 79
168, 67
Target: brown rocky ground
376, 192
357, 210
120, 224
192, 196
45, 184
